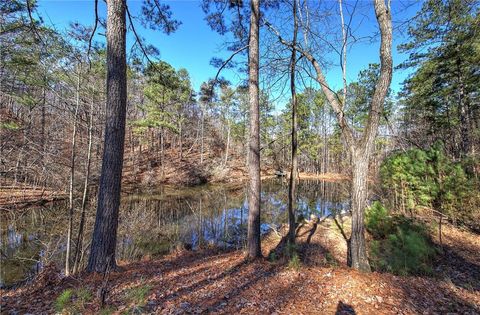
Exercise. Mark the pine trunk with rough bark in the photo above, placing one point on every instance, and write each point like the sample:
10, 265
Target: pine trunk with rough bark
253, 237
102, 253
292, 185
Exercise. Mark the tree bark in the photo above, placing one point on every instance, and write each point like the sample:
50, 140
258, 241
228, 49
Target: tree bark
294, 167
202, 134
362, 150
102, 254
357, 253
253, 237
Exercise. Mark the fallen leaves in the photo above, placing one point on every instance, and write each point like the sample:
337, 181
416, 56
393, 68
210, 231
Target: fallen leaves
218, 282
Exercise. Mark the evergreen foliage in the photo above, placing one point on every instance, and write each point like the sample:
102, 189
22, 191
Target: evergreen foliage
428, 178
401, 245
440, 99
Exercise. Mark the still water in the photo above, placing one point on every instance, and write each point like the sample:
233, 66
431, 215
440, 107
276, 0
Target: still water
154, 222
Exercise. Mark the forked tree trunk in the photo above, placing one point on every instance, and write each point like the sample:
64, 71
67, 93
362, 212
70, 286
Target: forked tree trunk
362, 147
102, 253
253, 237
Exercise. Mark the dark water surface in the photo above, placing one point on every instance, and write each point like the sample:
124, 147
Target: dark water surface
154, 222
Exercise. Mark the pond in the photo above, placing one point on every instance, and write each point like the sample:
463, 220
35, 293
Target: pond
155, 222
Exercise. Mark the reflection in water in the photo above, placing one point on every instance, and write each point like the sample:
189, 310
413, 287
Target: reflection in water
155, 222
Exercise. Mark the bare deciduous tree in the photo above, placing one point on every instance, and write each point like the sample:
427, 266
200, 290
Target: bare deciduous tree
360, 147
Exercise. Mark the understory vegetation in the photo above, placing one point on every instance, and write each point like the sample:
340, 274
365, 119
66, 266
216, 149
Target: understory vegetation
417, 181
400, 245
418, 185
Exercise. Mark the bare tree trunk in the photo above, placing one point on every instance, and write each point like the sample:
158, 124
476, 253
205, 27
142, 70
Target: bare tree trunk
43, 118
72, 178
180, 138
228, 145
253, 237
76, 260
362, 151
202, 134
102, 253
294, 166
162, 151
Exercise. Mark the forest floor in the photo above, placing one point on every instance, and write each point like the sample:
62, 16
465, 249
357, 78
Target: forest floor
219, 282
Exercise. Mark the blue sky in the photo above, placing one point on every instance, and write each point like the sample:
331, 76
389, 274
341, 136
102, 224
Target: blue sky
191, 46
194, 44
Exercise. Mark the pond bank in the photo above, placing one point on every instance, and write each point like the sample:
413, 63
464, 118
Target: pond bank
154, 221
222, 282
22, 196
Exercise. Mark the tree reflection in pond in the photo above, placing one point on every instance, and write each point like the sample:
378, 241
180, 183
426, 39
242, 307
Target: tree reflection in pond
152, 223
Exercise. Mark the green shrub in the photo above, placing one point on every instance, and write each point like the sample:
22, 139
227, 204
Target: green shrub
83, 296
400, 245
290, 249
73, 301
377, 220
330, 259
408, 252
291, 252
107, 310
294, 262
272, 257
63, 300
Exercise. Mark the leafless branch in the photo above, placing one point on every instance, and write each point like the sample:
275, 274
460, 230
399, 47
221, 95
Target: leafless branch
93, 34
